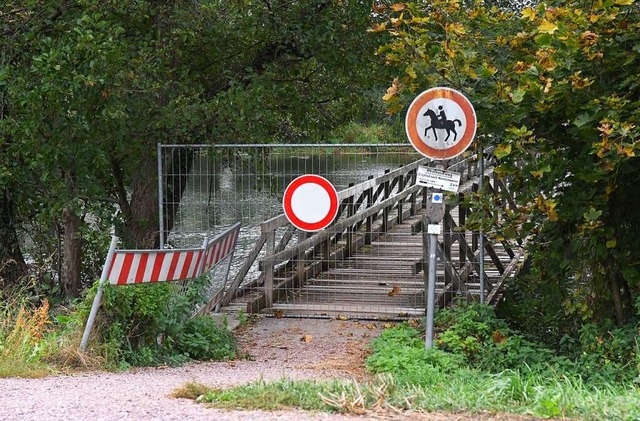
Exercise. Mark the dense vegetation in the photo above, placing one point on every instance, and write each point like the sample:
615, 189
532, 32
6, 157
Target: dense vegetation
143, 325
87, 89
479, 364
557, 91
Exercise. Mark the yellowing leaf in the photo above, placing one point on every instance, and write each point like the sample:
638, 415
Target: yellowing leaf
529, 13
628, 151
457, 28
342, 317
306, 338
502, 150
392, 90
411, 72
449, 51
547, 27
623, 2
378, 27
398, 7
611, 243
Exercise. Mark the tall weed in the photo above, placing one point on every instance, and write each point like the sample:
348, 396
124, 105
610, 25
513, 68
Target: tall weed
22, 328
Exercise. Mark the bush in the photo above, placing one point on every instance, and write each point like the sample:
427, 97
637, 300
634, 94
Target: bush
401, 352
202, 339
152, 325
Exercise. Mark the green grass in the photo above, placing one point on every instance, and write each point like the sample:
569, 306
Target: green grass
462, 390
481, 366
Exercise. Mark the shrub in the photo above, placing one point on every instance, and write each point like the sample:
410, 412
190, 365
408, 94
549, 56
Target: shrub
152, 324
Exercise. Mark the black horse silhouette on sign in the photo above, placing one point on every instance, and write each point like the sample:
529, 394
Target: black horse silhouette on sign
441, 123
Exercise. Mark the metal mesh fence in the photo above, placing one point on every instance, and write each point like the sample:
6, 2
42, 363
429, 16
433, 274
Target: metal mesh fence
367, 264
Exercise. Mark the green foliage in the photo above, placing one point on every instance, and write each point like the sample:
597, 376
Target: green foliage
151, 325
88, 88
556, 90
401, 351
367, 133
202, 339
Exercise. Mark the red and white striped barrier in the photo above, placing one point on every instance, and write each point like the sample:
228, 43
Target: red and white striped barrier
127, 267
142, 266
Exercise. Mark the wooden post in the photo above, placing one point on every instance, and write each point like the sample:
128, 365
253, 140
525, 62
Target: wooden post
424, 198
401, 185
268, 269
350, 212
301, 259
462, 220
369, 224
326, 252
412, 181
474, 235
385, 211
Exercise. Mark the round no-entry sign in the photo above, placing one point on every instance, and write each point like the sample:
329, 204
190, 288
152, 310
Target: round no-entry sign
441, 123
310, 202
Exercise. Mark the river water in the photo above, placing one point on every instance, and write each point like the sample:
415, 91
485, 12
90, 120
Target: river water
246, 185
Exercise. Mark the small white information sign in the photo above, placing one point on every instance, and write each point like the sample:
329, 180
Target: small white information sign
433, 177
433, 229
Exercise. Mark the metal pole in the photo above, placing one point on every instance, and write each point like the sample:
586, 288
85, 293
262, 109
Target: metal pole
160, 197
98, 297
431, 290
481, 239
228, 269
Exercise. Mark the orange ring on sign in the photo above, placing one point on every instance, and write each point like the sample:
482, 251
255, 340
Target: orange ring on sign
411, 123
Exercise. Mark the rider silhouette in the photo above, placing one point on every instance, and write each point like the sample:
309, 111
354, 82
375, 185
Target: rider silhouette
441, 115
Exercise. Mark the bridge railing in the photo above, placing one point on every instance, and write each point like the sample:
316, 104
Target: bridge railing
366, 211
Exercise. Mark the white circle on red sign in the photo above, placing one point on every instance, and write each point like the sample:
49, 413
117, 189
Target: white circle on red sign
310, 202
441, 123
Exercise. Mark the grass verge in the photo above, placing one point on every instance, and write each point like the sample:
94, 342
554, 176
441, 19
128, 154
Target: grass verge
479, 366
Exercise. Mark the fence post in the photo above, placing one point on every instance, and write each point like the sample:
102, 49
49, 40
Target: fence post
98, 297
160, 196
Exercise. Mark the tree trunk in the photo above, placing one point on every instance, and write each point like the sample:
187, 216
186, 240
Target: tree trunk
140, 229
12, 264
614, 286
71, 284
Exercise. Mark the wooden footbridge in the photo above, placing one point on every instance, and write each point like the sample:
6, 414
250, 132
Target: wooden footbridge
371, 262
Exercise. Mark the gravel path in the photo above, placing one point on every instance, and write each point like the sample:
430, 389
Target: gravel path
333, 350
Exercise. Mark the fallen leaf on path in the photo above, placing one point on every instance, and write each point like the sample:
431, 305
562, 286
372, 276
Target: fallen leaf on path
306, 338
394, 291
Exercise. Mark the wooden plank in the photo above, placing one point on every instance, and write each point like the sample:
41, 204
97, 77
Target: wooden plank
505, 275
244, 269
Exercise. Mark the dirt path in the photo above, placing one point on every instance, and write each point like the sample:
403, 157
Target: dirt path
333, 350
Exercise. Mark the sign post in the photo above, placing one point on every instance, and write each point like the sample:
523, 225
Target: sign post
440, 124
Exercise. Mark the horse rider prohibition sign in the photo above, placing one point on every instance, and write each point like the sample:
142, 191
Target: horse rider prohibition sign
439, 121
